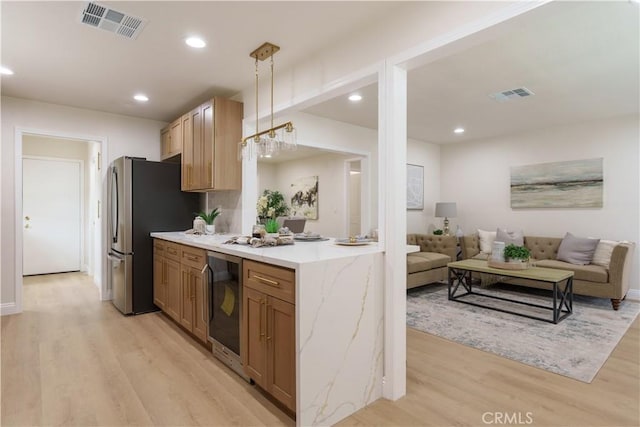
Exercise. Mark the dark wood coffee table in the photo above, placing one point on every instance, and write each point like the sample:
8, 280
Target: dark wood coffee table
560, 282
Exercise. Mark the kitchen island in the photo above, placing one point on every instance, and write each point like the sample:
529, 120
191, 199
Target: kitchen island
338, 320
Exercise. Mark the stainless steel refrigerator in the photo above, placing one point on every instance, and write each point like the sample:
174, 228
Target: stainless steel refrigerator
144, 197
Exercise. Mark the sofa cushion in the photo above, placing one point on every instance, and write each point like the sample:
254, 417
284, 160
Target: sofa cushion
602, 255
587, 273
486, 240
543, 247
421, 261
577, 250
510, 237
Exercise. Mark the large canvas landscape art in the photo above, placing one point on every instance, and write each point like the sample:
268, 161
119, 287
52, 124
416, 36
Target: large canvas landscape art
572, 184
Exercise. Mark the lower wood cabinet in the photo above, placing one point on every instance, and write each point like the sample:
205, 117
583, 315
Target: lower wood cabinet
179, 285
268, 332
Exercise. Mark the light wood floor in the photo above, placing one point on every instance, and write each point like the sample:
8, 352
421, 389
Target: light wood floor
72, 360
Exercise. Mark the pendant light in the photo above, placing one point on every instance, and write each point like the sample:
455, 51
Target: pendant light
269, 142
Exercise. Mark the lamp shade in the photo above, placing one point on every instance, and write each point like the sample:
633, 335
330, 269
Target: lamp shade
446, 210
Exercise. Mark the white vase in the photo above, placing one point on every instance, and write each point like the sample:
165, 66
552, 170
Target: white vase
210, 229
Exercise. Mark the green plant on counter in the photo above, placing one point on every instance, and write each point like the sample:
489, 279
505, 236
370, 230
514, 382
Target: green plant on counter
516, 252
271, 226
438, 232
208, 218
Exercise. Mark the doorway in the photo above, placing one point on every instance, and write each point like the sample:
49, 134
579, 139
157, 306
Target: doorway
354, 198
57, 144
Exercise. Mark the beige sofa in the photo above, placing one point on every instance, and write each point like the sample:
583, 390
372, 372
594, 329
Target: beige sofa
430, 264
590, 280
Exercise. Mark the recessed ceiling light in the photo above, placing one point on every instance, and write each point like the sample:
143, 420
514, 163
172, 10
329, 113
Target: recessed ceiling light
6, 71
196, 42
141, 98
458, 130
355, 97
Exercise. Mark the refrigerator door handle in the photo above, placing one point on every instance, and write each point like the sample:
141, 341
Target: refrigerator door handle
114, 203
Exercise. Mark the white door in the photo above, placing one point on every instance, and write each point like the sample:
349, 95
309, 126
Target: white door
51, 194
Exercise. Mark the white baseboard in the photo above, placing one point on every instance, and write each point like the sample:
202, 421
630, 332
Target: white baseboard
633, 294
8, 308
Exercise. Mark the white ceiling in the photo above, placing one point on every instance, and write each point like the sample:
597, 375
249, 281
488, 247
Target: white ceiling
59, 60
581, 59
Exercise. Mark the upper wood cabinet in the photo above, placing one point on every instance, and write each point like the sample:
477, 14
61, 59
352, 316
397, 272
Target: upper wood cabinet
210, 149
171, 140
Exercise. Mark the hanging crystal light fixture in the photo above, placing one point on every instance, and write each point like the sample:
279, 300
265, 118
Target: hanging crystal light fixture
268, 142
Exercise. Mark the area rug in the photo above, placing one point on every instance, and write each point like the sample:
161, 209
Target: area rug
577, 347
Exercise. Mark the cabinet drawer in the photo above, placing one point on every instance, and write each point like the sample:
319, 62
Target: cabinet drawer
159, 247
166, 249
172, 251
278, 282
193, 257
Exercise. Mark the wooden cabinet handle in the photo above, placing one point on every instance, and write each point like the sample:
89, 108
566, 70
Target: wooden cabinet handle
262, 315
210, 179
205, 286
191, 258
172, 251
266, 281
269, 324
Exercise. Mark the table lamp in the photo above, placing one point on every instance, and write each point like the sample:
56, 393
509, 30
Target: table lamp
446, 210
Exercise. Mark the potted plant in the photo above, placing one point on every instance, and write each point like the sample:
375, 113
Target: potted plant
208, 218
517, 254
271, 227
438, 232
271, 205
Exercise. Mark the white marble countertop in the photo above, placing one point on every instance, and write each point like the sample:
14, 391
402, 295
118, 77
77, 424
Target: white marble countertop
289, 256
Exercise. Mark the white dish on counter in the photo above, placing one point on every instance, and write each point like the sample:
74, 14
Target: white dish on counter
349, 242
308, 237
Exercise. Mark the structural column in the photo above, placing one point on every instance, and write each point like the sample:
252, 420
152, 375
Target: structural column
392, 184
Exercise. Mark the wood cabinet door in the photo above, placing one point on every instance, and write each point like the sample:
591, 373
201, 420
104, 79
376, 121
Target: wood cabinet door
165, 142
281, 357
186, 297
159, 282
176, 137
227, 133
192, 150
253, 333
198, 151
200, 303
187, 149
208, 144
174, 284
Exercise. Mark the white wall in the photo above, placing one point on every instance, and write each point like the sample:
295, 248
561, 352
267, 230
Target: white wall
477, 176
125, 136
332, 182
428, 155
33, 145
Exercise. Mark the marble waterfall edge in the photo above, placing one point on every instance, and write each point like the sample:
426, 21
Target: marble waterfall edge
340, 337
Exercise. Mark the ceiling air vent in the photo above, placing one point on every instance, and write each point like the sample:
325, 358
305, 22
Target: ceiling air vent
507, 95
111, 20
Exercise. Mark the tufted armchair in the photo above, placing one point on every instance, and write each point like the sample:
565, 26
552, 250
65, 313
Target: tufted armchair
430, 264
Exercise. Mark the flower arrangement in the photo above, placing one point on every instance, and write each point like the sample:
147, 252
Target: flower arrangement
271, 205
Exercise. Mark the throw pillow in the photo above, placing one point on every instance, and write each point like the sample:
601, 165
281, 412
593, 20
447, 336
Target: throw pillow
510, 237
486, 239
602, 254
577, 250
